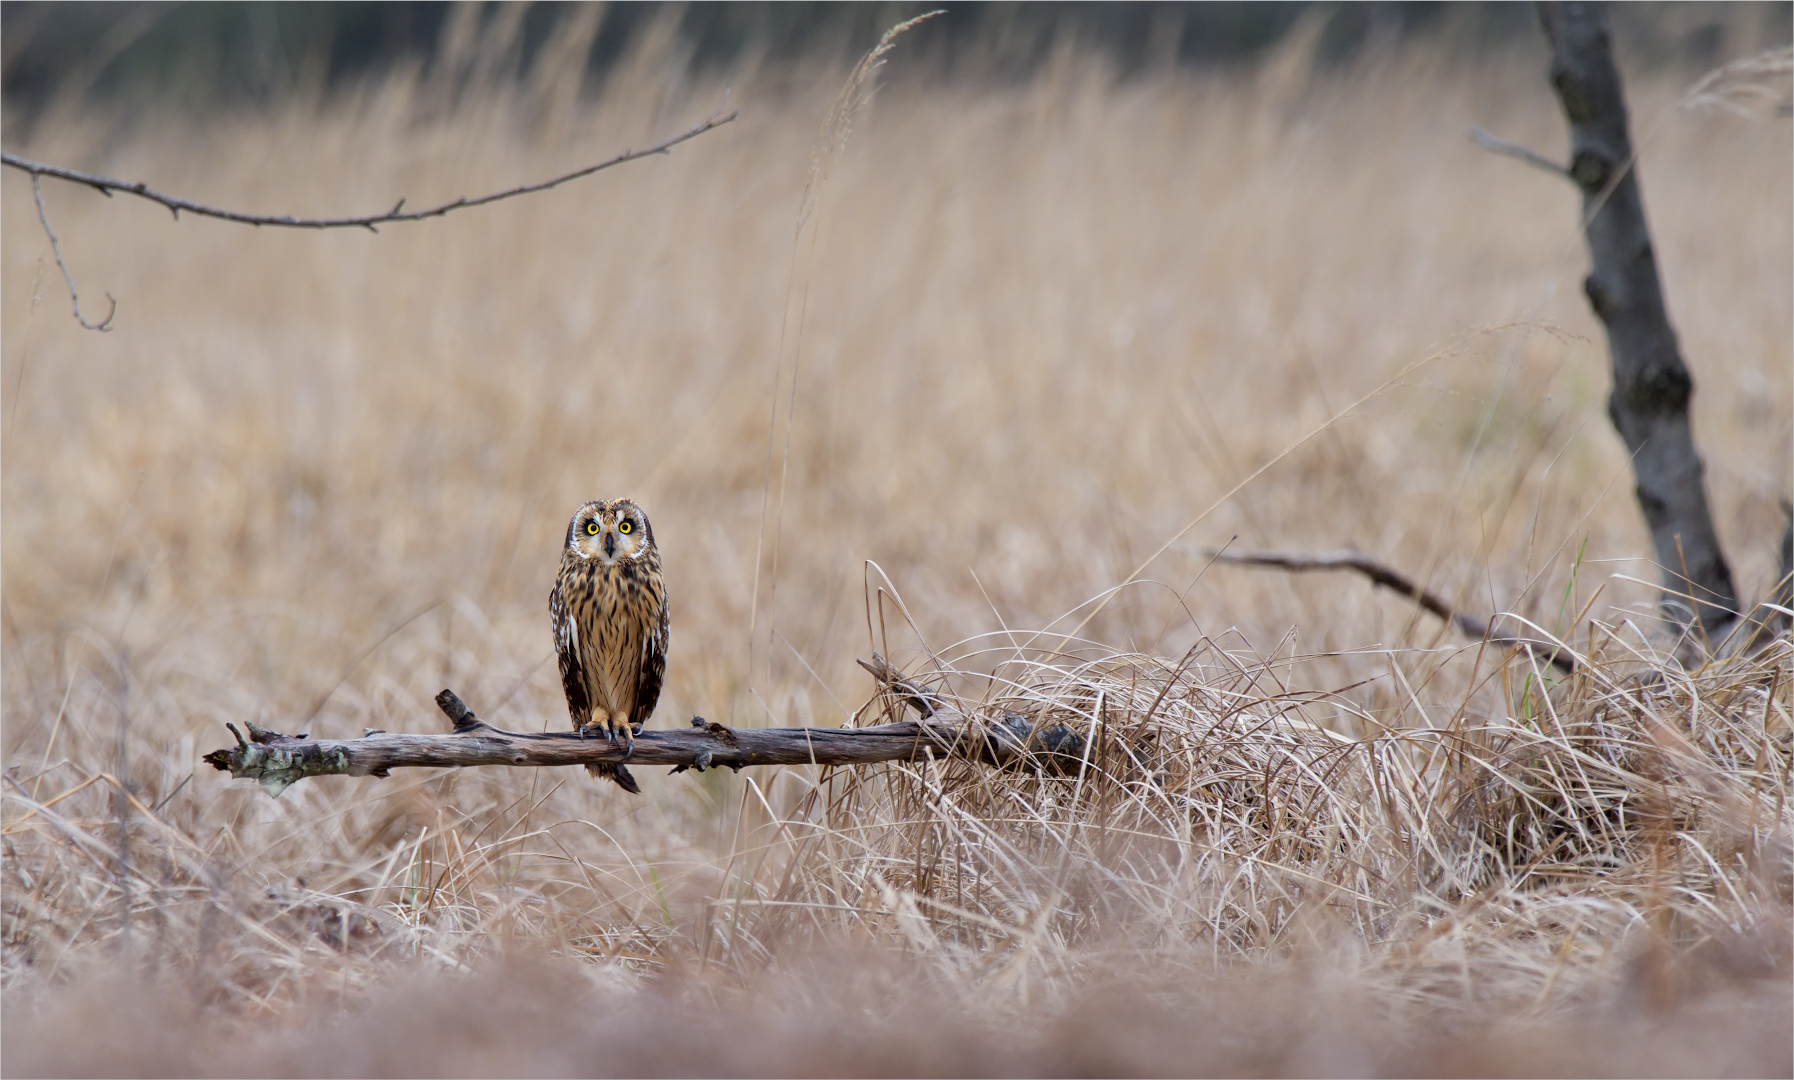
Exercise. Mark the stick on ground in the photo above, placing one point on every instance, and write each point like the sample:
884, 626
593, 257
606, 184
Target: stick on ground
1554, 653
279, 761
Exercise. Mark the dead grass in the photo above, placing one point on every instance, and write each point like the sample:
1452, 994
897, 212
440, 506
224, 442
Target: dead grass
1036, 332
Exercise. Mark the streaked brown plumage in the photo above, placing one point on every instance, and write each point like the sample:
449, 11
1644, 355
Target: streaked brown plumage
609, 606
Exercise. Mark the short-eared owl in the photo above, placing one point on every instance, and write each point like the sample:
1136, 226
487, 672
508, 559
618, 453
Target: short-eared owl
610, 624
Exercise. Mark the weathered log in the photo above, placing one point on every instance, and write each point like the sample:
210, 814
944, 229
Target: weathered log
278, 761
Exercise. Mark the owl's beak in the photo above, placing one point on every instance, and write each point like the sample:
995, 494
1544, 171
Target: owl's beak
610, 543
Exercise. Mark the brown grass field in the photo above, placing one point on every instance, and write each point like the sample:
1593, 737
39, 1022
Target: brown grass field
1026, 334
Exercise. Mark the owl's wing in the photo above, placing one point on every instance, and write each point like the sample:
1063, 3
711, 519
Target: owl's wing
653, 668
566, 645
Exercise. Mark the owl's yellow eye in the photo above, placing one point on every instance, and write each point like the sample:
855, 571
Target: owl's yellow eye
591, 528
625, 528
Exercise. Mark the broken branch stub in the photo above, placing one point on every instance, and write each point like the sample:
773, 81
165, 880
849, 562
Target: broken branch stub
278, 761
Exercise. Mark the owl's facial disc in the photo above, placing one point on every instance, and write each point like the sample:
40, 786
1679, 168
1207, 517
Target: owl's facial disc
627, 536
608, 535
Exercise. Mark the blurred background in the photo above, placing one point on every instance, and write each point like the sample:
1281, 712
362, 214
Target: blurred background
1079, 272
198, 56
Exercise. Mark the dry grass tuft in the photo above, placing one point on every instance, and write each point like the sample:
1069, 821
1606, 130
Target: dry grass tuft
1294, 825
1214, 811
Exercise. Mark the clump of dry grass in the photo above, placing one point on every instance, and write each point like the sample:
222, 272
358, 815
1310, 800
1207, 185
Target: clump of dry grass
1215, 807
1620, 842
310, 480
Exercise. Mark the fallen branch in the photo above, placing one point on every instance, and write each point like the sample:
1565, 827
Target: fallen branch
279, 761
106, 185
1382, 575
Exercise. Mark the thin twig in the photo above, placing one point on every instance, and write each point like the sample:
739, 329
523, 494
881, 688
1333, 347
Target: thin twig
104, 325
1397, 582
106, 186
1518, 152
398, 213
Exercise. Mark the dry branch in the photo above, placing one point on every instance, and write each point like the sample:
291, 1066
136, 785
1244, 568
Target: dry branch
278, 761
43, 218
1379, 574
106, 185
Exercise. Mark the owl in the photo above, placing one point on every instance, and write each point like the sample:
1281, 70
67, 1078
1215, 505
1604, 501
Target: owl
609, 607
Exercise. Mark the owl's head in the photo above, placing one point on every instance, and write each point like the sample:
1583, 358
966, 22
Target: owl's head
610, 532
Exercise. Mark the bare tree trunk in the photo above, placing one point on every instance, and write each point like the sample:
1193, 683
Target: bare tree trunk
1651, 385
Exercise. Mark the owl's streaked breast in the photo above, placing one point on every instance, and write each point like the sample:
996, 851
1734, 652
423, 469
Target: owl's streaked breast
616, 608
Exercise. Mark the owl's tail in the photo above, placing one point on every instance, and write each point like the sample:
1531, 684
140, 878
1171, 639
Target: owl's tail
619, 773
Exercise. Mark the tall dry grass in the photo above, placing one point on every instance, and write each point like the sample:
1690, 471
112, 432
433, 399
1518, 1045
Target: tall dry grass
1026, 335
